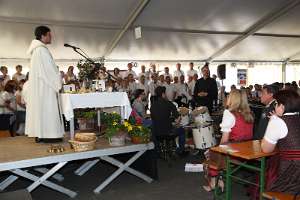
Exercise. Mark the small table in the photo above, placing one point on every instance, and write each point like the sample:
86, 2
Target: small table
250, 150
69, 102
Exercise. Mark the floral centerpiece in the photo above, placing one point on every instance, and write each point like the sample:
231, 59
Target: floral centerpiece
88, 70
115, 130
138, 133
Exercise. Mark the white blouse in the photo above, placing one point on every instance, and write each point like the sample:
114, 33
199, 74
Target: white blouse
228, 121
276, 129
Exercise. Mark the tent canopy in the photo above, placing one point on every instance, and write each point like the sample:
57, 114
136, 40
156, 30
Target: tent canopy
266, 30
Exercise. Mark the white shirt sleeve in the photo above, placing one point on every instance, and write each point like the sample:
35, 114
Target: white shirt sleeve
228, 121
276, 130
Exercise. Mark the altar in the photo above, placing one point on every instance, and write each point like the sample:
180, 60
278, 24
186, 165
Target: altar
69, 102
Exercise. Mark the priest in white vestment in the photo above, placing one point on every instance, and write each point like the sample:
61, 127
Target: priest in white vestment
43, 120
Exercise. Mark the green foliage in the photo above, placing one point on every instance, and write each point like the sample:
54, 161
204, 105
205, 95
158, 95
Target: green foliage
87, 70
85, 113
109, 118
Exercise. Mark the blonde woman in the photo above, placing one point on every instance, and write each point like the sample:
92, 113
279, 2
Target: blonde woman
237, 122
236, 126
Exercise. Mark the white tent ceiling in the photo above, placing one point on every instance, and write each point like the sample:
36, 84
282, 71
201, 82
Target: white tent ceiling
171, 29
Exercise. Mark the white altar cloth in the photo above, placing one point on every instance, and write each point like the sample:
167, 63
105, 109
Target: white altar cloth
69, 102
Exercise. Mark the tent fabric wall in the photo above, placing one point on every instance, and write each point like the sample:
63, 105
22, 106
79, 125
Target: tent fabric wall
172, 30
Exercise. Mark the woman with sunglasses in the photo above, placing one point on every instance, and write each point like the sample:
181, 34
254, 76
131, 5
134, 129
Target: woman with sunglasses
283, 133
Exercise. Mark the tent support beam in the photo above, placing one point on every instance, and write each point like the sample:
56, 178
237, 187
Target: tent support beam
276, 13
73, 24
198, 31
132, 17
107, 26
292, 57
283, 72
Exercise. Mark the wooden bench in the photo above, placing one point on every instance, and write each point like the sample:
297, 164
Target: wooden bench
279, 196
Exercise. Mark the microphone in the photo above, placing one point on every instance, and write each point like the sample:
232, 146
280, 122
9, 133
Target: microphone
68, 45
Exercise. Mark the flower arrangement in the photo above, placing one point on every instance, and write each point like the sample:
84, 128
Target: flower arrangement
109, 118
138, 132
113, 124
88, 70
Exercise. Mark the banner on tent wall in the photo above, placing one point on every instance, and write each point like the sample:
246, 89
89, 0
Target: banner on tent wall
242, 77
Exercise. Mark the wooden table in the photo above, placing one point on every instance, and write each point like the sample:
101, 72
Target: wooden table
250, 150
20, 153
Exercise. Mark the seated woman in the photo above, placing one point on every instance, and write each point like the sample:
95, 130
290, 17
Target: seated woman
139, 107
283, 132
236, 126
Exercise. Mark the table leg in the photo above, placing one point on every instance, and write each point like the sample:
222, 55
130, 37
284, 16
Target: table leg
72, 129
228, 178
42, 180
262, 177
128, 169
99, 119
122, 167
86, 167
44, 170
7, 182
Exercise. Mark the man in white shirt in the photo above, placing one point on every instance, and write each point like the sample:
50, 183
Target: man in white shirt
167, 73
18, 75
178, 71
191, 72
130, 71
152, 70
132, 85
4, 78
182, 96
142, 84
144, 73
170, 89
161, 80
191, 85
152, 86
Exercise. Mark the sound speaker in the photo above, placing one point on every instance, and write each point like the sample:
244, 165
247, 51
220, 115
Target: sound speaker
222, 71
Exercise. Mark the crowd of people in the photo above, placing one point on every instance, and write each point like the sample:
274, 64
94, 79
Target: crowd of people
278, 124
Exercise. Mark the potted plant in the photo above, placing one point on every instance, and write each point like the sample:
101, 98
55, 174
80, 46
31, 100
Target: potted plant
116, 134
107, 119
139, 134
115, 130
86, 118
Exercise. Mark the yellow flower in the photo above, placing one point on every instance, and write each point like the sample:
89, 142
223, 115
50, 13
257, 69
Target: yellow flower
129, 128
126, 124
140, 127
115, 123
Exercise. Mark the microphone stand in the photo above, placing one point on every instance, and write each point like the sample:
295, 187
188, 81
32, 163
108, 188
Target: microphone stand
109, 76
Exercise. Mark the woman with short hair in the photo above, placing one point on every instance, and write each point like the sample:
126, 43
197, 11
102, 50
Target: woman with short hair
283, 132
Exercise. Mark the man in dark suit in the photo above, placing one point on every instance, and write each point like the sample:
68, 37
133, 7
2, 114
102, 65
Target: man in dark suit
163, 113
206, 90
267, 99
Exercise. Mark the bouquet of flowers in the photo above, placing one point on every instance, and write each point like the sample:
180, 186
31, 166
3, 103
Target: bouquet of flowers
88, 70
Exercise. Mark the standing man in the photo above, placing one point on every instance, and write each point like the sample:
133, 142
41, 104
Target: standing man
191, 72
43, 120
178, 71
206, 90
